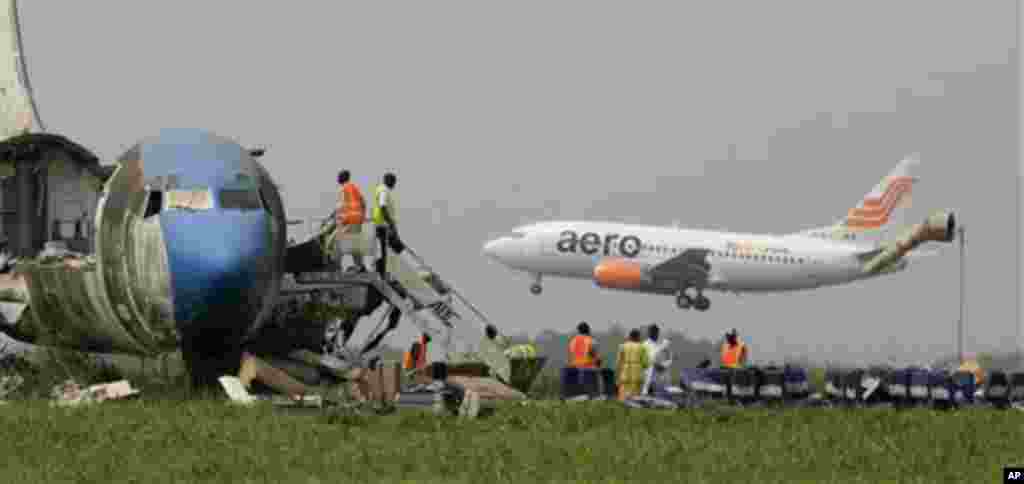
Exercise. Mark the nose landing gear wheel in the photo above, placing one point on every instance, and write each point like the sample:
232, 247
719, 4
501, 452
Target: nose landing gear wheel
683, 301
702, 303
535, 289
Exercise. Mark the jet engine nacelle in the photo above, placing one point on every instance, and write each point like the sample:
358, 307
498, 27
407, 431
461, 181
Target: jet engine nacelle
939, 227
619, 274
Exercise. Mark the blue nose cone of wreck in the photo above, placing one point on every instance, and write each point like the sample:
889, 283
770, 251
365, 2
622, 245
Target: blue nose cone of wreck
218, 231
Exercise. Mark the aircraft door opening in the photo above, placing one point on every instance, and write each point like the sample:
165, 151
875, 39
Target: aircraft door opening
547, 243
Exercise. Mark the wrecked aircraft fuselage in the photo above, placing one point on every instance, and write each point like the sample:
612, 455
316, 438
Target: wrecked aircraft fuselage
189, 251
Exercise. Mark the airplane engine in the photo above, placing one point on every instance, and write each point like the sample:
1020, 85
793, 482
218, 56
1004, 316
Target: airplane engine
619, 274
939, 227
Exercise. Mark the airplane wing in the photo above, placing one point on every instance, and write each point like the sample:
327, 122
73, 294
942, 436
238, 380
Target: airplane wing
917, 254
869, 254
690, 267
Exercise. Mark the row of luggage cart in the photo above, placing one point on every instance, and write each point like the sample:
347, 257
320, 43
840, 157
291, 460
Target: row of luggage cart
909, 386
923, 386
748, 384
589, 382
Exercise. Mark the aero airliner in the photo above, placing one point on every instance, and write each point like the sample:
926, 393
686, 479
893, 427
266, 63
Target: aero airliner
687, 262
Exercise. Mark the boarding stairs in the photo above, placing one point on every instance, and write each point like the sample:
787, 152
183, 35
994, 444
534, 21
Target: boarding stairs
431, 303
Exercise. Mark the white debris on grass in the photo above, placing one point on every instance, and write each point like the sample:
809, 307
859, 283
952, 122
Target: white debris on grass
236, 390
70, 393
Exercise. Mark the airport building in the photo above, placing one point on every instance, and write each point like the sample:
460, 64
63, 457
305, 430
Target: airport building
49, 189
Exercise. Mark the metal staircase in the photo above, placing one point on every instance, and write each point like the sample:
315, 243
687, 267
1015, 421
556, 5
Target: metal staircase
434, 305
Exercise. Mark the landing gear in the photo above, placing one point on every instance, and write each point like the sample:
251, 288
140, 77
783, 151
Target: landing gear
685, 301
535, 288
702, 303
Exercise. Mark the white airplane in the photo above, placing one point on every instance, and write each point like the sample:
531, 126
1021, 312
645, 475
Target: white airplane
686, 262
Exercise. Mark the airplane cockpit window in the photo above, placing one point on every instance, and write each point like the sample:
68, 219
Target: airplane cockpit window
154, 202
516, 235
195, 199
235, 199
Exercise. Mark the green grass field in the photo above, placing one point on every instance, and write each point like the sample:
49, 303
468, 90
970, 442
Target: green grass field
171, 434
177, 440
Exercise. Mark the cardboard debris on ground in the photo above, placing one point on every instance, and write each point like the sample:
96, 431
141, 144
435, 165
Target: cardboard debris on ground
378, 385
381, 384
488, 389
240, 396
70, 393
254, 368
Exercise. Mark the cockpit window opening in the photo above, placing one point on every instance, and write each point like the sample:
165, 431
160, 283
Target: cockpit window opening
189, 199
154, 203
263, 201
517, 234
239, 199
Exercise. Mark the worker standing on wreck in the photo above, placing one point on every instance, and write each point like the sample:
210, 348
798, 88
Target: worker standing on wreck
631, 366
384, 218
349, 217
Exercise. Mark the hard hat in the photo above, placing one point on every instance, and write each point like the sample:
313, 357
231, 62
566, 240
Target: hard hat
732, 332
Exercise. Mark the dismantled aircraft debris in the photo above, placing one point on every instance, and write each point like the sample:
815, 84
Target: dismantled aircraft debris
254, 368
488, 389
70, 393
107, 260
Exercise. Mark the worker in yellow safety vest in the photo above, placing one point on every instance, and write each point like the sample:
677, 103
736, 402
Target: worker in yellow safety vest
349, 216
734, 352
582, 350
631, 366
385, 212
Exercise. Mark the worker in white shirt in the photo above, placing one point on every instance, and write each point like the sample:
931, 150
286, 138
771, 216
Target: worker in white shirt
661, 360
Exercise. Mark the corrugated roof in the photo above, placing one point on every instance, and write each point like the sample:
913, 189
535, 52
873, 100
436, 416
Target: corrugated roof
26, 147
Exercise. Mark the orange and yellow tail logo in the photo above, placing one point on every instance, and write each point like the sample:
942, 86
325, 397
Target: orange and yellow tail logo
875, 209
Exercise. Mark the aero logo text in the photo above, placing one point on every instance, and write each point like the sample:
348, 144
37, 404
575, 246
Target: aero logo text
591, 243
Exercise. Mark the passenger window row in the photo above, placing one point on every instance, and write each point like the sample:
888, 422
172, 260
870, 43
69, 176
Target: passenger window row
779, 259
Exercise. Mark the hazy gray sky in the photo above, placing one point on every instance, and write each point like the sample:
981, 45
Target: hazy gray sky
496, 114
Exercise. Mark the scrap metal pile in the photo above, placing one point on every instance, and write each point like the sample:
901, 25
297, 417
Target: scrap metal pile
306, 355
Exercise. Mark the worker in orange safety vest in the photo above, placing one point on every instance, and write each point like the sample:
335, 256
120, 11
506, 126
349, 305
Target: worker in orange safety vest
582, 350
349, 216
734, 352
416, 357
